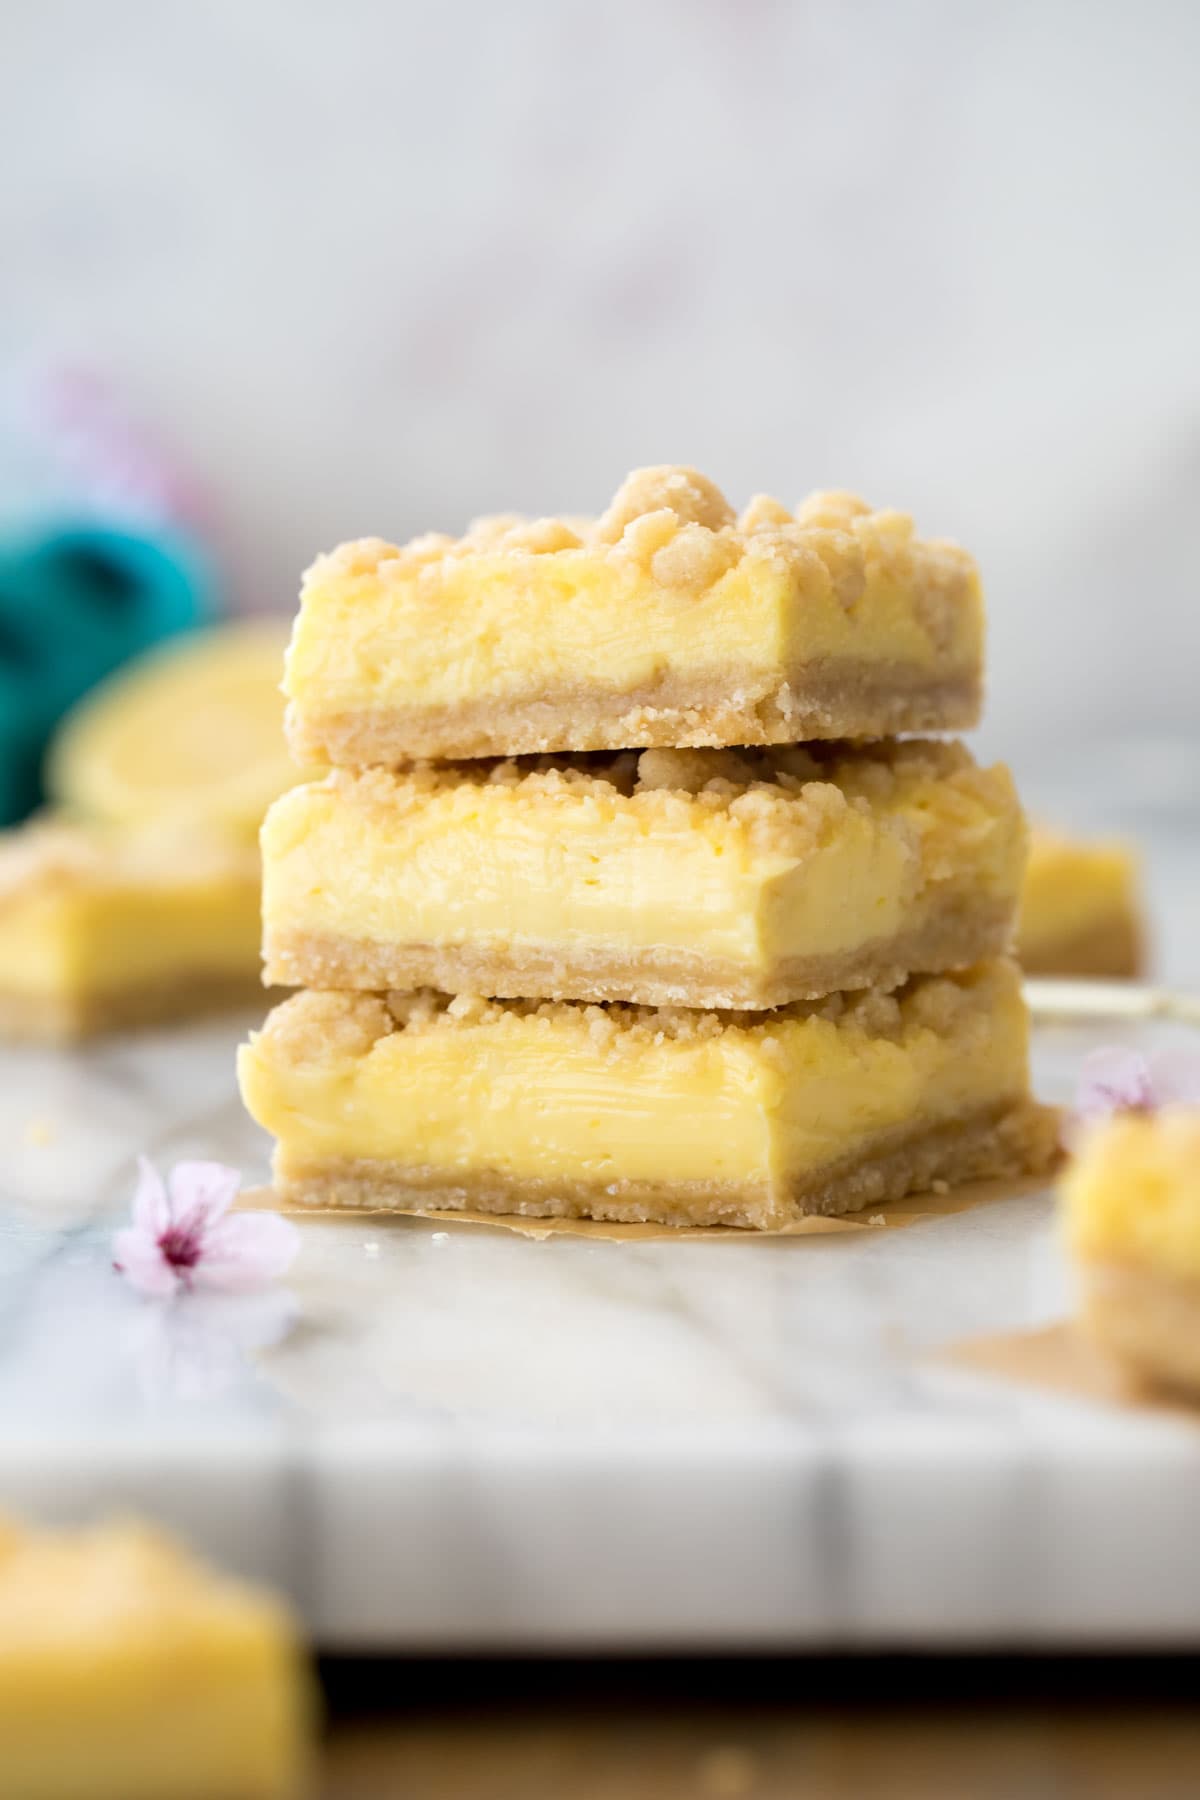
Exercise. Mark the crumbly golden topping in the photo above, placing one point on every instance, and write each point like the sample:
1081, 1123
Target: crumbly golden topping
50, 855
112, 1578
673, 526
788, 798
327, 1027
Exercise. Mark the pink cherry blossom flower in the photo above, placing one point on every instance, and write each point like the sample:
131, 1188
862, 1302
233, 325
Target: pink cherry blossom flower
1112, 1080
181, 1237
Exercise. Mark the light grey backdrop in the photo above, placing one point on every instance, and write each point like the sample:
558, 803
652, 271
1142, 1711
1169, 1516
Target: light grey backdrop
383, 266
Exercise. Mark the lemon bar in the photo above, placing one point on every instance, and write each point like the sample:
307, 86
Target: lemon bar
103, 928
1131, 1203
668, 622
637, 1113
1080, 907
128, 1671
726, 878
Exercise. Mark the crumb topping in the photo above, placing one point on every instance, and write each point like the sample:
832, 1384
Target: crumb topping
49, 855
324, 1027
672, 525
789, 798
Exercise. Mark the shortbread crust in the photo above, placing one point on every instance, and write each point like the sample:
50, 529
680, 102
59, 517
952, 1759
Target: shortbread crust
995, 1143
667, 622
64, 1018
632, 1113
699, 878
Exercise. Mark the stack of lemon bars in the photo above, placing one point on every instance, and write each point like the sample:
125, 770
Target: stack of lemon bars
626, 897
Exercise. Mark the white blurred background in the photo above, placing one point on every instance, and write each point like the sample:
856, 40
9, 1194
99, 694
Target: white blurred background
382, 266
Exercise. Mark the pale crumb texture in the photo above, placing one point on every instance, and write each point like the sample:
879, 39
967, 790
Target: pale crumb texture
59, 855
790, 798
315, 1028
675, 525
96, 1574
1132, 1193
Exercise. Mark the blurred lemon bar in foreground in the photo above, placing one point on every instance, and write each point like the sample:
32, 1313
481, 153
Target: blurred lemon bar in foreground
730, 878
670, 621
192, 731
1131, 1202
1081, 911
103, 927
633, 1113
129, 1671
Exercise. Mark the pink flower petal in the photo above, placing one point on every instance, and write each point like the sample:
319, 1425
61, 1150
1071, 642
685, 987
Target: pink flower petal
1112, 1080
1175, 1076
137, 1256
151, 1213
246, 1252
201, 1193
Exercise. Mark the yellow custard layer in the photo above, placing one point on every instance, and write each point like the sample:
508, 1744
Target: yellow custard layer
750, 870
129, 1672
669, 596
98, 910
601, 1095
1132, 1194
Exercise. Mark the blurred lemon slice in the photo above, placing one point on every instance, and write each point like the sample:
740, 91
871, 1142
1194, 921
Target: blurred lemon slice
192, 730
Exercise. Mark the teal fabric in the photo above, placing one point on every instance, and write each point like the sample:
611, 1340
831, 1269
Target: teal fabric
74, 605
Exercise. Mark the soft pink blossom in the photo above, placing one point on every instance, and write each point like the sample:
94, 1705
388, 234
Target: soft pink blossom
182, 1238
1112, 1080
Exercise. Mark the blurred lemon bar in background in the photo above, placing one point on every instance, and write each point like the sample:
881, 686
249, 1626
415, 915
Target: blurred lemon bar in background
1081, 908
129, 1671
632, 1113
669, 621
103, 927
1131, 1201
136, 900
191, 731
678, 877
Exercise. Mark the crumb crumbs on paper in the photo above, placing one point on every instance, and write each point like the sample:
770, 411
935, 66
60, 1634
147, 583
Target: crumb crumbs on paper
39, 1132
440, 1237
371, 1250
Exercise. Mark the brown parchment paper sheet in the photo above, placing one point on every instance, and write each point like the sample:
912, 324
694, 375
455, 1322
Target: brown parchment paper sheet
1062, 1359
899, 1214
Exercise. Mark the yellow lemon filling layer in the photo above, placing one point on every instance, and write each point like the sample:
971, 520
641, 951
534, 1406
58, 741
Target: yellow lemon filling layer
602, 1095
738, 868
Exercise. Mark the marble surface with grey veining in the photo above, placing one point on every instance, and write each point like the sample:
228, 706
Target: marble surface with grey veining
465, 1437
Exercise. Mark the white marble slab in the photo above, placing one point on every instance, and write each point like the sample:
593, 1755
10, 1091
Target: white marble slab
466, 1438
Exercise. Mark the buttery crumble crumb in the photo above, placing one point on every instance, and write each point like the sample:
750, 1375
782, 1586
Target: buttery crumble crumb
321, 1026
673, 525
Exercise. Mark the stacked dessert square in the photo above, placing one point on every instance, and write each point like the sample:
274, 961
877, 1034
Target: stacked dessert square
626, 897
